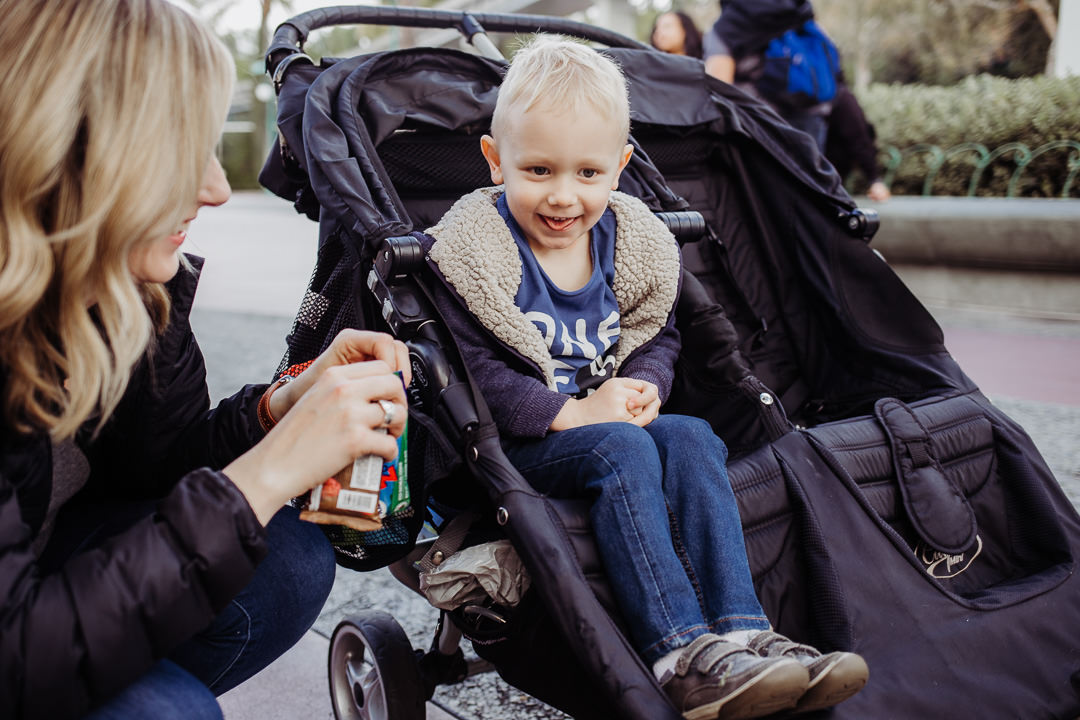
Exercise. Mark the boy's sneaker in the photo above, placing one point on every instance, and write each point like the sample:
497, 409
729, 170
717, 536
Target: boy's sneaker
714, 678
834, 677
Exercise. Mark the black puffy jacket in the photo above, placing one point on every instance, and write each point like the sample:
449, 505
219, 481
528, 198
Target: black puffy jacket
71, 639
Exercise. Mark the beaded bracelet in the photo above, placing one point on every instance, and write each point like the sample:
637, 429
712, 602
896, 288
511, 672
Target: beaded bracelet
263, 409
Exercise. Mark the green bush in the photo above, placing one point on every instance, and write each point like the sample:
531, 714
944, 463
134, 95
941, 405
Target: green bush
237, 153
990, 111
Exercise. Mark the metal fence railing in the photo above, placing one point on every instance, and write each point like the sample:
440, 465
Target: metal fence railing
980, 157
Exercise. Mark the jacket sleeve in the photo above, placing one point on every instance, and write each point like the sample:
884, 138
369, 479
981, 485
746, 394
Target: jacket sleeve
164, 426
851, 140
73, 639
520, 404
655, 361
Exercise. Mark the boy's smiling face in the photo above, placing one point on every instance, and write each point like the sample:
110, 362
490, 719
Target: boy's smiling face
559, 168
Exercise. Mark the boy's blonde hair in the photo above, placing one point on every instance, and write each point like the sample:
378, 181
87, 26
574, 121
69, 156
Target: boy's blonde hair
109, 115
552, 70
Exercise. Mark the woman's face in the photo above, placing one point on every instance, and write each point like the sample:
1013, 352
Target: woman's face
669, 35
159, 260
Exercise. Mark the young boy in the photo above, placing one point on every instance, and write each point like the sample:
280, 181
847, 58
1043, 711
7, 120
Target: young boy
563, 298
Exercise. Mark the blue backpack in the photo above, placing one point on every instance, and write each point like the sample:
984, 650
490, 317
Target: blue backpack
801, 67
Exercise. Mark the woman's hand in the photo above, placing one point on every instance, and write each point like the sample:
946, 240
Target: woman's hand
616, 400
333, 417
350, 346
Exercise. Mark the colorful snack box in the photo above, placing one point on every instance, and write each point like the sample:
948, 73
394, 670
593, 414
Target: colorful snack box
363, 493
360, 495
393, 481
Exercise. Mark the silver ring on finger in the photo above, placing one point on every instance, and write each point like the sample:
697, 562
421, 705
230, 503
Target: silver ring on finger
388, 409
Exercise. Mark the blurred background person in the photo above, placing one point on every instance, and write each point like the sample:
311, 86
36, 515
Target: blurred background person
737, 50
675, 32
851, 144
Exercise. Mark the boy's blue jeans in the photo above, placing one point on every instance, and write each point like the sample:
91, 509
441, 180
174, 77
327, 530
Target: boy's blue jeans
633, 476
268, 617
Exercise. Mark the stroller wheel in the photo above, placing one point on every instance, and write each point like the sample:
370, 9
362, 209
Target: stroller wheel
373, 670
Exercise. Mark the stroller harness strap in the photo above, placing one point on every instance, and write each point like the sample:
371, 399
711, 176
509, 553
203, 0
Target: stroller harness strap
450, 540
938, 509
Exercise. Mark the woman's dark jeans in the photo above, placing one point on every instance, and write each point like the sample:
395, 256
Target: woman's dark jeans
267, 618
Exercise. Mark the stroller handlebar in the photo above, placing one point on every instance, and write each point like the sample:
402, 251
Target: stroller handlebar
289, 37
686, 225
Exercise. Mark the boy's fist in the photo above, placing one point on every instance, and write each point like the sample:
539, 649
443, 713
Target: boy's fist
616, 400
645, 406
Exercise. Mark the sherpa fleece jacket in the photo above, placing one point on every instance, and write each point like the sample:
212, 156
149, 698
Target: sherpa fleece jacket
472, 251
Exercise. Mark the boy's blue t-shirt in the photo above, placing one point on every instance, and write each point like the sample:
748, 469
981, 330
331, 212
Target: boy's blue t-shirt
581, 328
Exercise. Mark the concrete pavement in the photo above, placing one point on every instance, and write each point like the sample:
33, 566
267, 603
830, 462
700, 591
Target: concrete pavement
259, 256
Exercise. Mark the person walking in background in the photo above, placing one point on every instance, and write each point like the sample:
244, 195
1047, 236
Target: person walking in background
773, 50
851, 143
735, 44
675, 32
148, 561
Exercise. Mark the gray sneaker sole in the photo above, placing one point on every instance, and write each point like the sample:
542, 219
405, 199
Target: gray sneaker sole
777, 688
836, 684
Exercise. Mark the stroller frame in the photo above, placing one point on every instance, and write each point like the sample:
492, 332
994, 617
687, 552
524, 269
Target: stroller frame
382, 691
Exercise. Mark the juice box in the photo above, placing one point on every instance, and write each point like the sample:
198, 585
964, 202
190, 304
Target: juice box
363, 493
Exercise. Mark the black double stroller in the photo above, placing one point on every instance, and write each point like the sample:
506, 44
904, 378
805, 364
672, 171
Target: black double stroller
888, 507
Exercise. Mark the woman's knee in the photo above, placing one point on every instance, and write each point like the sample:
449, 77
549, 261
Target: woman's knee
268, 616
166, 692
302, 558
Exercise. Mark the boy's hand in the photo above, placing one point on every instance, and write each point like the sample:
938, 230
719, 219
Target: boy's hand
646, 405
616, 400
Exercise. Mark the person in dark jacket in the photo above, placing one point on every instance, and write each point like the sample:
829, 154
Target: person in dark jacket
147, 559
734, 51
851, 143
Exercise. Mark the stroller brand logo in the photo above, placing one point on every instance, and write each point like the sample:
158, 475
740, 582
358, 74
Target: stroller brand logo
944, 566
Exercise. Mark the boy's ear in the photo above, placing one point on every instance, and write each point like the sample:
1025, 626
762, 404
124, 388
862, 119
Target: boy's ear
626, 153
491, 154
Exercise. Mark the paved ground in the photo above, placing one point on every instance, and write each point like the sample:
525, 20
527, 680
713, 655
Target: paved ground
259, 256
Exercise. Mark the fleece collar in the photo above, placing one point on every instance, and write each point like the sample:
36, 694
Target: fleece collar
477, 255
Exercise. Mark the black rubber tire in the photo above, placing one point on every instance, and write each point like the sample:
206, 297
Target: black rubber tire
373, 670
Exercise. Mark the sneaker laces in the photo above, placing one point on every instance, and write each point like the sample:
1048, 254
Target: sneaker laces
706, 652
770, 644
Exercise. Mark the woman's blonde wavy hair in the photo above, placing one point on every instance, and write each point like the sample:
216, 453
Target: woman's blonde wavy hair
109, 114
